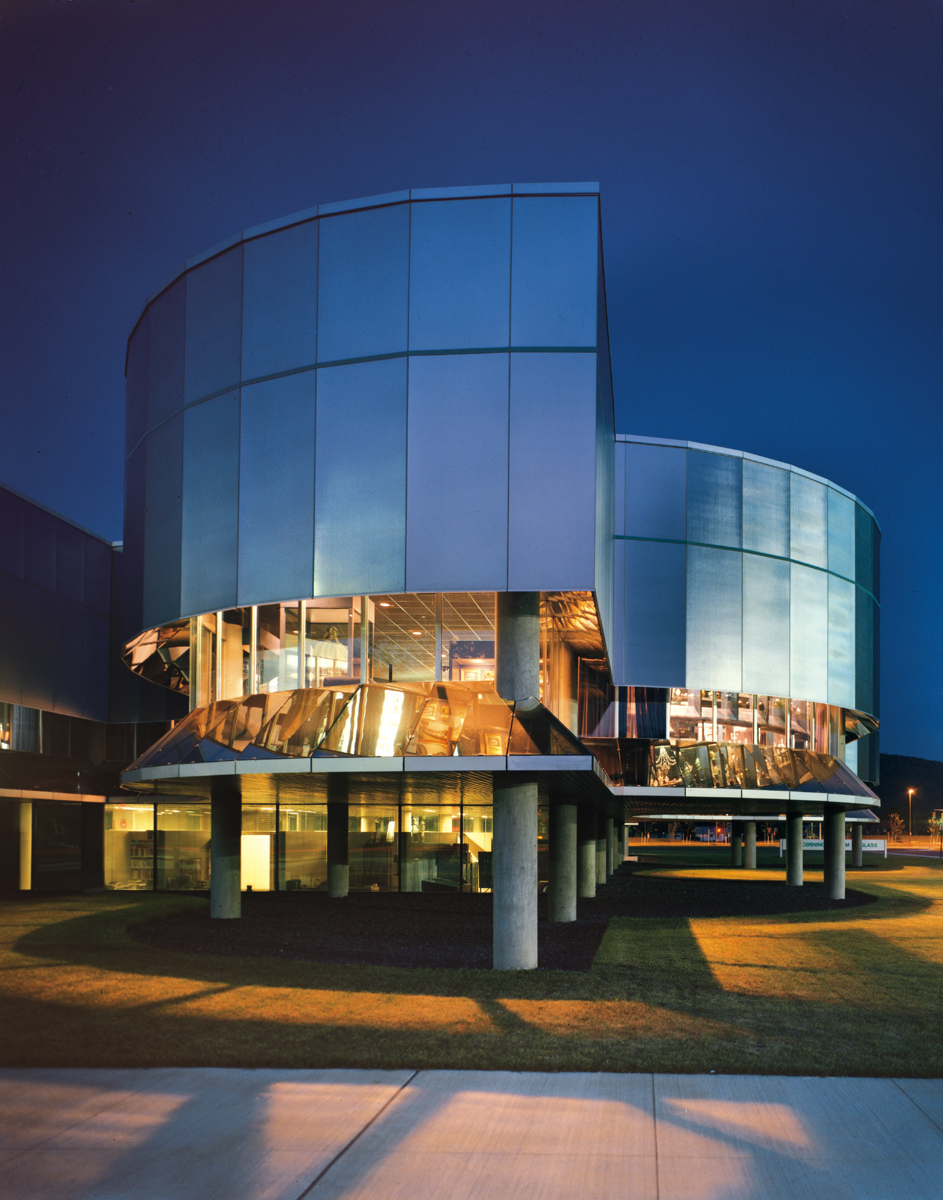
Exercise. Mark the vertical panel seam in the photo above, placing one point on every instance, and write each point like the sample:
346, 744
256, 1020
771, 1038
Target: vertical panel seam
507, 539
409, 288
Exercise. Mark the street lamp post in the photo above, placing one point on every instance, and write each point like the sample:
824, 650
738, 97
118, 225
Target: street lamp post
910, 813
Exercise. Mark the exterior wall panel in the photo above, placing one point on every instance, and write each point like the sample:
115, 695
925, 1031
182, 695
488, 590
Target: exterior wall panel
163, 521
280, 301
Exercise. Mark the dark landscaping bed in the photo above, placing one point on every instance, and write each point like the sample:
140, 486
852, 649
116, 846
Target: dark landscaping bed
451, 930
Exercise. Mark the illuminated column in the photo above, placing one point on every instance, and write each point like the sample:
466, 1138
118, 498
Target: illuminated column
600, 849
561, 894
736, 844
93, 846
517, 645
26, 845
225, 848
338, 826
794, 849
749, 845
610, 846
833, 833
857, 855
514, 880
586, 853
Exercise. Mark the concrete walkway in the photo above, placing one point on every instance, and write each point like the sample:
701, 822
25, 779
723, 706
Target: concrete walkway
464, 1135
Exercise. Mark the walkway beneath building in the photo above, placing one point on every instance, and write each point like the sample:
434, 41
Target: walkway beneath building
452, 1135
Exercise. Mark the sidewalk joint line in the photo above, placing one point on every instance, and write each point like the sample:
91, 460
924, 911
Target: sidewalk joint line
655, 1138
343, 1150
935, 1124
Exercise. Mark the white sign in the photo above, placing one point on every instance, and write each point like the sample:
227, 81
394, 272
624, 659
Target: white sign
872, 845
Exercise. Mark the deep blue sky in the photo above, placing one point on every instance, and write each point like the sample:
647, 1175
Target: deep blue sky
771, 185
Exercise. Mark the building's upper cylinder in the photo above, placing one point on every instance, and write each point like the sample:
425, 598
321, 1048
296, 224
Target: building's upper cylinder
397, 394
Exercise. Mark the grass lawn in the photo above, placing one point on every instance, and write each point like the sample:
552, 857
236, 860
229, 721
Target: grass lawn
850, 992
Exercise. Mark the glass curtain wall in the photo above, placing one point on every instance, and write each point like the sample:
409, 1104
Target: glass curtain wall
129, 847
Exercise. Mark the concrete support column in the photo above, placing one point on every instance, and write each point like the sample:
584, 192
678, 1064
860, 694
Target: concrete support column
26, 845
338, 826
794, 849
93, 847
610, 846
749, 845
736, 843
517, 645
561, 895
586, 853
225, 849
515, 877
857, 853
600, 849
833, 835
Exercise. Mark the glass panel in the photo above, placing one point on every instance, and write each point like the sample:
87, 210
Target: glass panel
555, 256
432, 853
655, 606
129, 847
460, 274
302, 847
765, 508
162, 522
167, 319
468, 637
372, 847
214, 325
714, 491
57, 846
332, 643
655, 490
841, 534
552, 436
277, 653
714, 587
204, 634
765, 624
360, 490
841, 643
457, 513
801, 724
276, 488
477, 827
363, 283
808, 521
258, 848
808, 632
280, 301
183, 845
771, 720
735, 718
210, 505
235, 648
865, 616
864, 549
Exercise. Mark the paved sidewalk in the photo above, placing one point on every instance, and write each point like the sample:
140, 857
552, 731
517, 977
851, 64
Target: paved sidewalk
464, 1135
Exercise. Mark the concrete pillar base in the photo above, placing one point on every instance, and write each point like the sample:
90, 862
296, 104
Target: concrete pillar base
833, 835
749, 845
338, 870
514, 866
794, 849
225, 850
610, 846
857, 852
736, 844
586, 853
561, 895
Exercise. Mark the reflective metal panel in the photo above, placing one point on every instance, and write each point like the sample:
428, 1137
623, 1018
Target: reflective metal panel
214, 325
808, 633
363, 283
876, 562
135, 409
864, 651
551, 472
276, 489
162, 522
713, 642
808, 539
459, 274
655, 491
130, 563
457, 487
841, 642
864, 549
617, 648
841, 534
70, 562
655, 586
765, 508
714, 487
12, 533
12, 604
553, 285
97, 575
765, 625
280, 301
360, 488
210, 505
165, 358
619, 487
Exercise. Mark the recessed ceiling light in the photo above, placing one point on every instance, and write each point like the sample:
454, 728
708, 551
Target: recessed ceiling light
417, 633
385, 604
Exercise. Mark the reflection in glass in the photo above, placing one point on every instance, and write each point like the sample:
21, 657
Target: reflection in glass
129, 847
714, 489
765, 508
302, 861
372, 848
808, 522
183, 846
841, 534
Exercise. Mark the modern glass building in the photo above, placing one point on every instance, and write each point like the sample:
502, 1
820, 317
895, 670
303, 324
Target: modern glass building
421, 619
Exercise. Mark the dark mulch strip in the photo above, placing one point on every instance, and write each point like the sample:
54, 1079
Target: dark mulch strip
449, 930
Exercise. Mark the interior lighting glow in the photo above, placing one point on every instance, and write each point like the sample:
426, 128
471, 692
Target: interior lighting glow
389, 724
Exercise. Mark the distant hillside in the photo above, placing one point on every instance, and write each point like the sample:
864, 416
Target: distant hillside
898, 773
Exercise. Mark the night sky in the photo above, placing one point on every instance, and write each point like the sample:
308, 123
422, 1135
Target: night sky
771, 192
